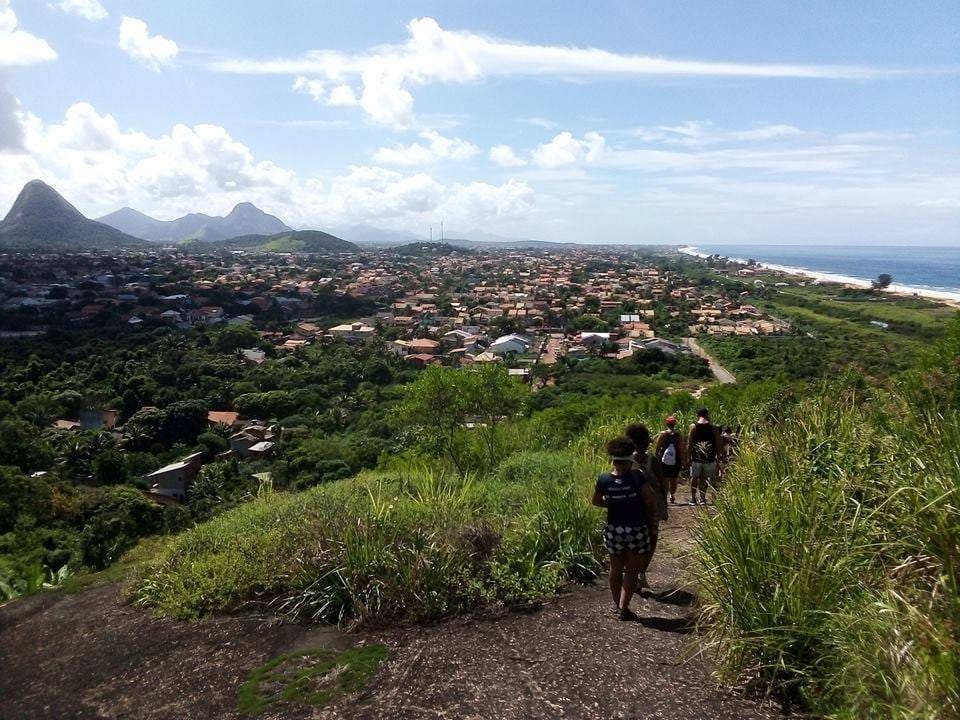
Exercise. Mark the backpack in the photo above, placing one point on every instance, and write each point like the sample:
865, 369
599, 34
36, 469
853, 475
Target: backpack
669, 456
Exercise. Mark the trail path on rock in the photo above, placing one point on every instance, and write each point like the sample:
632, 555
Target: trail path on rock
90, 656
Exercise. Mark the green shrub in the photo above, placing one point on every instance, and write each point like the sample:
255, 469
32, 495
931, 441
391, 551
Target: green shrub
831, 569
412, 544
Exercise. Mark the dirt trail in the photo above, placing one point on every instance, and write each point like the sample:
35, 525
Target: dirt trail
89, 656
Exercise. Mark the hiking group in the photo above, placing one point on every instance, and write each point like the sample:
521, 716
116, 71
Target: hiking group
642, 484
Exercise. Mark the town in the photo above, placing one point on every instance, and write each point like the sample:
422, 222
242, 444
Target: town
531, 310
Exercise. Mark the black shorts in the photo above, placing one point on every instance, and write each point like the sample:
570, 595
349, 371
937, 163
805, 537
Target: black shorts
670, 471
620, 538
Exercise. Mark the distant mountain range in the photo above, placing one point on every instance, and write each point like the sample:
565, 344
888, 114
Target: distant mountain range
244, 219
363, 234
42, 220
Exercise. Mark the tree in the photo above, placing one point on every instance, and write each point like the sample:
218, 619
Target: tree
442, 401
882, 282
110, 467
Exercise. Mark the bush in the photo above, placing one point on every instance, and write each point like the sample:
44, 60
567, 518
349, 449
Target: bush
409, 545
830, 570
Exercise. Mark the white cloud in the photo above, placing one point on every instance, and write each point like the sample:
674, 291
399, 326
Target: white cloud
314, 88
101, 166
87, 9
19, 48
873, 136
504, 156
565, 149
342, 96
695, 133
433, 55
481, 201
338, 96
437, 148
154, 51
541, 123
11, 130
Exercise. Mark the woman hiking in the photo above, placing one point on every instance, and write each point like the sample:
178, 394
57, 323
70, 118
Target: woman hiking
631, 505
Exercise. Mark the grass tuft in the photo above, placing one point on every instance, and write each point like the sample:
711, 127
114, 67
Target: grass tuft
314, 678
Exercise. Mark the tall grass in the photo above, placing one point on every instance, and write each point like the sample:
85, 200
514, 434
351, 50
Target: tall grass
830, 570
394, 546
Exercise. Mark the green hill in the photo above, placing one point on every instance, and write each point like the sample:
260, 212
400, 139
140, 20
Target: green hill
297, 241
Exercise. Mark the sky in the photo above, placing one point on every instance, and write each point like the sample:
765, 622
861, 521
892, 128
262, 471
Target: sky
679, 122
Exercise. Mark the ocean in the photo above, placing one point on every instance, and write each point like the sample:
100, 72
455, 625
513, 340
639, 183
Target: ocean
931, 271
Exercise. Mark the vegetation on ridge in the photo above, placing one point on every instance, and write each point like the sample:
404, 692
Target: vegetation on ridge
832, 569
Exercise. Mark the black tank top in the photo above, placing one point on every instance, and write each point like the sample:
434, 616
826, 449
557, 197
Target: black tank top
704, 443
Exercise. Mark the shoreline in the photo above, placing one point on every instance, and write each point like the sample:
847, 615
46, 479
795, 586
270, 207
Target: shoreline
946, 296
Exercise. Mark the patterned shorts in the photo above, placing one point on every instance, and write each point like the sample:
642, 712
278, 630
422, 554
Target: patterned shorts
618, 539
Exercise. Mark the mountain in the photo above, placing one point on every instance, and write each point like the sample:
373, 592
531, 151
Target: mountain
41, 219
363, 234
302, 241
244, 219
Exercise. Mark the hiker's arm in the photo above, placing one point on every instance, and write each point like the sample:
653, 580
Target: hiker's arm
688, 450
649, 497
598, 499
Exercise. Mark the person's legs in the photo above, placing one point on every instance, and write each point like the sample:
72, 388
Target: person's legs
696, 470
616, 576
645, 560
673, 488
708, 479
630, 572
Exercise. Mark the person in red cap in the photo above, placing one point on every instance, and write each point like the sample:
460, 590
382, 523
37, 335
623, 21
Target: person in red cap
668, 448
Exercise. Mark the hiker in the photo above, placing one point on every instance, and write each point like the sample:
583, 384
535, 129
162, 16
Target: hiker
631, 511
668, 448
650, 467
727, 451
703, 448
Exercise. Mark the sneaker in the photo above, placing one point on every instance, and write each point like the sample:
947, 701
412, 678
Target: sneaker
673, 500
642, 581
626, 614
693, 502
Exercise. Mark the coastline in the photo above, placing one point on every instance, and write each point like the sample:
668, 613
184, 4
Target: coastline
946, 296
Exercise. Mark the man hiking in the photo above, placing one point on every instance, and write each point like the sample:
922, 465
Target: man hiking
631, 511
650, 467
703, 447
668, 449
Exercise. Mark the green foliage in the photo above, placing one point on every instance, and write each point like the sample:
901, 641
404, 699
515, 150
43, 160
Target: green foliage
110, 467
388, 546
830, 569
441, 403
114, 518
212, 443
235, 337
217, 486
314, 677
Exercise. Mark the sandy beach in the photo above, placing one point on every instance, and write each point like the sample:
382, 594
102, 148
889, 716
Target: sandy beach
944, 296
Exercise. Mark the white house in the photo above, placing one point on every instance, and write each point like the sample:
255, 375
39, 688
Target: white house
506, 344
354, 331
171, 480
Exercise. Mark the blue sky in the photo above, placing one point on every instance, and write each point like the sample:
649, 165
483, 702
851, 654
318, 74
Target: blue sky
681, 122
